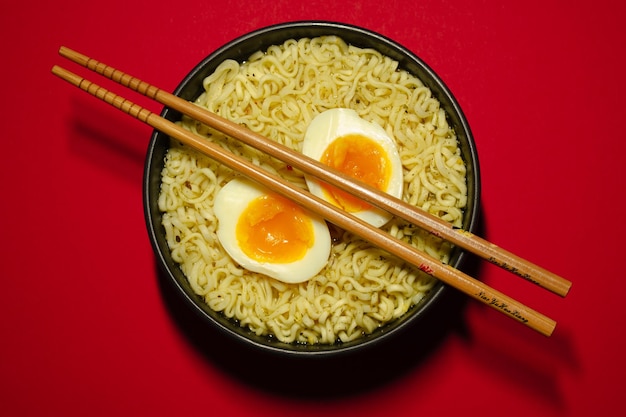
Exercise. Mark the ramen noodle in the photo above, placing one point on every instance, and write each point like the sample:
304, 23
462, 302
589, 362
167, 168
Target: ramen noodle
276, 93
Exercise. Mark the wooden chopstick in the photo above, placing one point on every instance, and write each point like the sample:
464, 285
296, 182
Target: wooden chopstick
424, 262
464, 239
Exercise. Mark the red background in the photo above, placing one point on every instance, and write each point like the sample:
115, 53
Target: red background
88, 328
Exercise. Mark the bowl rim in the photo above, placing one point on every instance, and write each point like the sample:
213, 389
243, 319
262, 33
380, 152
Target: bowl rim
242, 47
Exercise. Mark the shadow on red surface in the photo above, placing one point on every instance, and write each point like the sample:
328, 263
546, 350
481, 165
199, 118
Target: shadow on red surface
369, 369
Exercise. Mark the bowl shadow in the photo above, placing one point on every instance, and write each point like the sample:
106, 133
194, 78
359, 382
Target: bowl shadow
315, 377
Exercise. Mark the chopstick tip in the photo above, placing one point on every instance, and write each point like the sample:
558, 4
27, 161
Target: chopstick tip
64, 51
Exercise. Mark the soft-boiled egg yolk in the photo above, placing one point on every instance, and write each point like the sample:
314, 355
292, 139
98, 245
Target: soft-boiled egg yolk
360, 149
361, 158
266, 233
273, 229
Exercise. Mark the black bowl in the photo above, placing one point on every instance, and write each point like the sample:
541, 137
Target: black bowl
240, 49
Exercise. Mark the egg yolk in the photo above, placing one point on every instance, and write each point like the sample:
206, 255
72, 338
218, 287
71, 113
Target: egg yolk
275, 230
361, 158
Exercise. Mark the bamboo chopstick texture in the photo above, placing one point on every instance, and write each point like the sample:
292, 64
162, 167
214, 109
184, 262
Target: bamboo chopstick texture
464, 239
432, 266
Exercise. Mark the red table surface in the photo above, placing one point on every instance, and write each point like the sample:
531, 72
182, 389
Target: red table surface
88, 328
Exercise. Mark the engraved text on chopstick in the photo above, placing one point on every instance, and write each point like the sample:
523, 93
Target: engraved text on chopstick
501, 305
513, 270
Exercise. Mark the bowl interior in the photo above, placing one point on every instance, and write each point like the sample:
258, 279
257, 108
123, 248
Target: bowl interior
240, 49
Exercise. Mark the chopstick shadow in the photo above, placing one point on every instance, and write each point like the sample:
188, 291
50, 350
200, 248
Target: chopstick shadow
324, 378
520, 356
108, 138
523, 358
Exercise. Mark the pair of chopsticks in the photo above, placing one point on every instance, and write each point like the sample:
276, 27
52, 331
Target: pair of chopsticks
395, 206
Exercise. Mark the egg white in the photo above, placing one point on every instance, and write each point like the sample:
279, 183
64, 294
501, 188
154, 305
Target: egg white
335, 123
230, 203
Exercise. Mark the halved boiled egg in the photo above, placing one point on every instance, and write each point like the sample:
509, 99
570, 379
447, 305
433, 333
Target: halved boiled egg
363, 150
267, 233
